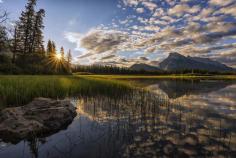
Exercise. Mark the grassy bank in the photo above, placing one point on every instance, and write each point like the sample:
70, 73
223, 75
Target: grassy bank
18, 90
212, 77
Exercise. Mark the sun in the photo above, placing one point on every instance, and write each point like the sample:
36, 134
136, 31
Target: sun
58, 56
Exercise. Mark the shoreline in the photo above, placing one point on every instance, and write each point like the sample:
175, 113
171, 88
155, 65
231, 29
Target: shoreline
210, 77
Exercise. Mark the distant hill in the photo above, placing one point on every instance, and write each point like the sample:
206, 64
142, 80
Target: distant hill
144, 67
178, 62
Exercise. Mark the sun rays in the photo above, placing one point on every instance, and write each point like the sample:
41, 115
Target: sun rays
58, 57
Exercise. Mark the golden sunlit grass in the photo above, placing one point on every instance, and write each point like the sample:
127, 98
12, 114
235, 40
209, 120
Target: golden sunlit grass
18, 90
212, 77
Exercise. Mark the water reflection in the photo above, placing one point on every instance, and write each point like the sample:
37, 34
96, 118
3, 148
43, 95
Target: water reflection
198, 123
215, 94
178, 88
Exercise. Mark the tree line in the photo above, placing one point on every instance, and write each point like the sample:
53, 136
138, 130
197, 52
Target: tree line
105, 69
22, 48
102, 69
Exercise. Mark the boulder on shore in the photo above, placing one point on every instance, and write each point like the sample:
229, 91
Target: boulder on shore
41, 116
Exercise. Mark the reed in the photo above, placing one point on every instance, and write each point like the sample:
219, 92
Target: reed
19, 90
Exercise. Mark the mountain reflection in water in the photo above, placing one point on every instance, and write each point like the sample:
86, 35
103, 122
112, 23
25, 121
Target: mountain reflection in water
166, 121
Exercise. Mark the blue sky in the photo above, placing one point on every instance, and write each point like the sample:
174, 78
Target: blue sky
67, 16
123, 32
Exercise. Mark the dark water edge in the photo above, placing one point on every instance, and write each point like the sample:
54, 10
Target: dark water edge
163, 121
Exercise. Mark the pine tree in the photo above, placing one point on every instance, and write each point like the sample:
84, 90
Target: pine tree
62, 52
42, 50
15, 42
26, 26
3, 31
3, 38
69, 59
54, 49
37, 37
49, 47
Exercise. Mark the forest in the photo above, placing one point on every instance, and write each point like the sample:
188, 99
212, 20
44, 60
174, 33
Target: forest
22, 49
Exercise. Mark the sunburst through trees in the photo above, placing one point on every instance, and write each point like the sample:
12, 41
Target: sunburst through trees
57, 61
24, 51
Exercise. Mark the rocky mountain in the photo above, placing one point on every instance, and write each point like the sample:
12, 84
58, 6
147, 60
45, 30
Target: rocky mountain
144, 67
178, 62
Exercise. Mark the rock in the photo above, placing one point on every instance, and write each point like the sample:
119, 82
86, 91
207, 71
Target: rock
41, 116
168, 149
190, 139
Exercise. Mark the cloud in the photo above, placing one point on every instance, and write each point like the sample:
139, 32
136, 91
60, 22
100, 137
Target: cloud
131, 2
150, 5
185, 1
143, 58
220, 2
151, 49
1, 1
108, 57
73, 36
231, 10
102, 41
140, 10
192, 34
178, 10
206, 51
181, 9
85, 55
159, 12
228, 57
159, 27
206, 12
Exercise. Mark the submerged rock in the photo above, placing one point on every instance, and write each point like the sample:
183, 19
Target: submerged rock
41, 116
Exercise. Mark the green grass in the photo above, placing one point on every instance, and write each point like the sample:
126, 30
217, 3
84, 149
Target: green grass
18, 90
213, 77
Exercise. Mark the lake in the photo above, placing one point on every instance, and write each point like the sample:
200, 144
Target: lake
149, 118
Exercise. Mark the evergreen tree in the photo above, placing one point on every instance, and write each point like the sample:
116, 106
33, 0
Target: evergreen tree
3, 32
49, 47
3, 38
69, 59
37, 37
28, 52
54, 49
15, 42
3, 17
26, 27
62, 52
42, 50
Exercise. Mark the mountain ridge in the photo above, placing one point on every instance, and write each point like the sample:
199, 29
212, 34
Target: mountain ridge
178, 62
144, 67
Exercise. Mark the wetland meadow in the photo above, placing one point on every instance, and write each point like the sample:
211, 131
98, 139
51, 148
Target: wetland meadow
129, 116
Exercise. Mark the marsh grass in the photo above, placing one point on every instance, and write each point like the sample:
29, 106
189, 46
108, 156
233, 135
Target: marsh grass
19, 90
174, 76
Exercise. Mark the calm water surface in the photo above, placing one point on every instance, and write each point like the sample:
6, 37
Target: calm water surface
168, 118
